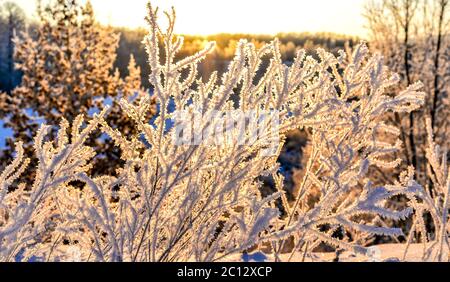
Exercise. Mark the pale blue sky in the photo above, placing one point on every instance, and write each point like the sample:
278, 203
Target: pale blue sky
237, 16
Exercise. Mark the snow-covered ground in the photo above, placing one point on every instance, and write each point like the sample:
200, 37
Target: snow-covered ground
379, 253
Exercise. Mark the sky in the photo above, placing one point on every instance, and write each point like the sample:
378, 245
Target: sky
236, 16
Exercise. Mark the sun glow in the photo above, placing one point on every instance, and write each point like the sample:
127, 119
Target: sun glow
239, 16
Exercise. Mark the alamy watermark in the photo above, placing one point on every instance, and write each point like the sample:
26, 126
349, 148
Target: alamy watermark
228, 128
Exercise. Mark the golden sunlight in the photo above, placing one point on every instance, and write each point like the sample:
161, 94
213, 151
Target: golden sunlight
253, 16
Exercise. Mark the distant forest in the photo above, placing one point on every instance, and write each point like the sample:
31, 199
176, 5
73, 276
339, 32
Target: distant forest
131, 42
13, 21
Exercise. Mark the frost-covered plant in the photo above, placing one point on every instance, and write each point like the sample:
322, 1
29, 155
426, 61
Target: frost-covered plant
344, 150
413, 36
436, 202
29, 215
185, 202
202, 202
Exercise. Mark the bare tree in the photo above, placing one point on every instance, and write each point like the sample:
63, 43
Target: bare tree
415, 45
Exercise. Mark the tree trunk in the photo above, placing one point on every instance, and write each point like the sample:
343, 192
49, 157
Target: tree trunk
443, 5
408, 81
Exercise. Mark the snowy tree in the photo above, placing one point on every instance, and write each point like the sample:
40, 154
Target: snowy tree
67, 70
